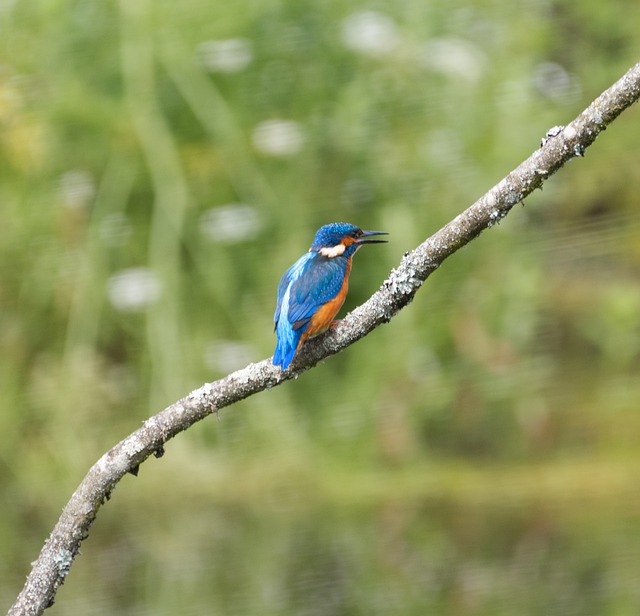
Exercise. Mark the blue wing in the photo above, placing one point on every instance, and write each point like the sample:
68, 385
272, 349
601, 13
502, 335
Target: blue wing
320, 282
309, 283
294, 272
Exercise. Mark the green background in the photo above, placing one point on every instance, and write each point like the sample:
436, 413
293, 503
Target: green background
478, 455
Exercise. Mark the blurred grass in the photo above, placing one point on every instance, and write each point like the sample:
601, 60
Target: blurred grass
476, 456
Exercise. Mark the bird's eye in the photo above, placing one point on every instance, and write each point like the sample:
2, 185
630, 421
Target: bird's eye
356, 233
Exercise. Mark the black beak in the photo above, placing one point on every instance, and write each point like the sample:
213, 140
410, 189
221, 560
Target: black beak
365, 234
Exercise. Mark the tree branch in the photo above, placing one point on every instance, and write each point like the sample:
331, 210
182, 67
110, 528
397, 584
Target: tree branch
563, 144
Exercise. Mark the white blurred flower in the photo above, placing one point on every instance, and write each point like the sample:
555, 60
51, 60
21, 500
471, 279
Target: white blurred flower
278, 137
370, 33
235, 222
227, 56
555, 82
227, 355
453, 56
134, 289
76, 189
6, 6
115, 229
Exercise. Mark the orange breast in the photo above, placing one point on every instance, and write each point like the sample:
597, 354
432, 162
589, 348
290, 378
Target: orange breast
323, 317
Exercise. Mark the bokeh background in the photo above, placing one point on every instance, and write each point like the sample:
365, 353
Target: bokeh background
162, 163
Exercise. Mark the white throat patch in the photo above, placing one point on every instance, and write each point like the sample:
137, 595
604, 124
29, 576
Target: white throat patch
334, 251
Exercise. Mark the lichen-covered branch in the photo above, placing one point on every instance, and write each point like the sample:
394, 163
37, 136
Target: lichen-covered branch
562, 144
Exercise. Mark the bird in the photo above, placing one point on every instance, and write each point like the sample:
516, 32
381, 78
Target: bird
313, 289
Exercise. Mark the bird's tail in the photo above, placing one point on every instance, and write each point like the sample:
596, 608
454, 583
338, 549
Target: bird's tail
287, 345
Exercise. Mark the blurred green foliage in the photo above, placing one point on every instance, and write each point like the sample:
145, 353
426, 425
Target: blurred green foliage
162, 163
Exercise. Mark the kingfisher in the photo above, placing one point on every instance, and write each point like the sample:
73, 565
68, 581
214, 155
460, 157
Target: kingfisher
313, 289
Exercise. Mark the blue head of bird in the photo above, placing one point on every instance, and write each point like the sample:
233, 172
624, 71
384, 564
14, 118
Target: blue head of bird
342, 239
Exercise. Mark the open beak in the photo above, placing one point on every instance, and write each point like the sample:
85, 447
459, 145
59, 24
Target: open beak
365, 234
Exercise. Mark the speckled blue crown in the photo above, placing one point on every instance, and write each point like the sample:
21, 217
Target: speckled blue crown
332, 234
